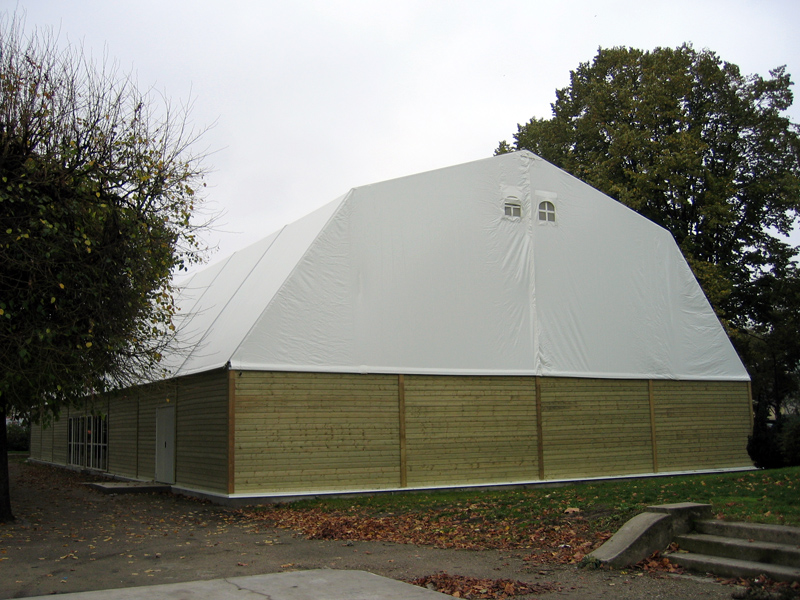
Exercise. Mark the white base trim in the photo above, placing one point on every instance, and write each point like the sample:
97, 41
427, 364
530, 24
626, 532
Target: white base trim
275, 497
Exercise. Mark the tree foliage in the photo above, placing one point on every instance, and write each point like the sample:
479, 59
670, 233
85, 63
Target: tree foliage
98, 184
691, 143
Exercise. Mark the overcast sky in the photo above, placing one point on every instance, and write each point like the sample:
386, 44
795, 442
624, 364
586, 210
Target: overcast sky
312, 98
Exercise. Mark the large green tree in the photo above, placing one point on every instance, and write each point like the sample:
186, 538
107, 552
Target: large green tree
97, 190
691, 143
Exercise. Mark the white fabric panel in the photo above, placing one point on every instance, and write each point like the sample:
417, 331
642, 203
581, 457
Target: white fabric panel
411, 275
195, 317
227, 310
426, 274
615, 297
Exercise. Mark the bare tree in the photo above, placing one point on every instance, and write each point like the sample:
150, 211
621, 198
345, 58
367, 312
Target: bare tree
99, 187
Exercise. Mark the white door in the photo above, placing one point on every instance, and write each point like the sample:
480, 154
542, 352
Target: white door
165, 444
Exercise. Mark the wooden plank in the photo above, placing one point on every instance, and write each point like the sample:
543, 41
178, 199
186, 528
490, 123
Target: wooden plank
653, 438
122, 423
36, 441
231, 441
401, 399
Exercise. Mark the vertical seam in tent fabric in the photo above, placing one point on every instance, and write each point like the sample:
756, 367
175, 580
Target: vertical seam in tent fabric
344, 199
232, 296
532, 306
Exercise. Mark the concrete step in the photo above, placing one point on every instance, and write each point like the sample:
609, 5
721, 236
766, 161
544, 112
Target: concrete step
777, 534
731, 567
129, 487
740, 548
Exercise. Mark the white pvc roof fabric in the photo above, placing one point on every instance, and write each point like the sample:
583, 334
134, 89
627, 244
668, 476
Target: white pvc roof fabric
427, 274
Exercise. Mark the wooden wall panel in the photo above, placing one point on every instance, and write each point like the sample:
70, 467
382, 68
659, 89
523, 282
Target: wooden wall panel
313, 431
594, 427
201, 443
701, 425
305, 432
470, 429
60, 437
47, 443
36, 442
123, 422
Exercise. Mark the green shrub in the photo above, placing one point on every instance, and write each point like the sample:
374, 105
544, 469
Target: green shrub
789, 442
19, 437
764, 447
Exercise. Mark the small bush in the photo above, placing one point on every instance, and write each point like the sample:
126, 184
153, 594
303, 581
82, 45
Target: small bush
789, 442
764, 448
19, 437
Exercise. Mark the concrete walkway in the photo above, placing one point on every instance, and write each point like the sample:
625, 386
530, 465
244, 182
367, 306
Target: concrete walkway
321, 584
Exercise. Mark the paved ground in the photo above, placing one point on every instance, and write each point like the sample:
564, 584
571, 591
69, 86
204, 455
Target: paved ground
317, 584
70, 538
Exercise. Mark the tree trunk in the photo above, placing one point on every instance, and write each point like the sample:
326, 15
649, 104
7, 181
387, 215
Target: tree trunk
5, 484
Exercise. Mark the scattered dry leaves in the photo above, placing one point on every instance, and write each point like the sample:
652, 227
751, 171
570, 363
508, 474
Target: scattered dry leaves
658, 563
566, 542
470, 587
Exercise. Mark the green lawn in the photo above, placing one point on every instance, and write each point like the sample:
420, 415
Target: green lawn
771, 496
574, 516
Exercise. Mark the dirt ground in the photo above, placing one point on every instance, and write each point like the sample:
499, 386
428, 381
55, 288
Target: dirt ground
68, 538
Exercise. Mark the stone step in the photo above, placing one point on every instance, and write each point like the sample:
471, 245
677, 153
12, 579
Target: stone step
777, 534
740, 548
731, 567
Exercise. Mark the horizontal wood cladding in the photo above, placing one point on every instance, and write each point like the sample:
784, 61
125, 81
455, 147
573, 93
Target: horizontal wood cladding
201, 449
594, 427
47, 443
272, 432
60, 445
314, 431
55, 437
463, 430
701, 424
36, 442
123, 415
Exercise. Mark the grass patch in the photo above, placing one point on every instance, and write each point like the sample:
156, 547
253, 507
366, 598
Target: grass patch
758, 496
559, 523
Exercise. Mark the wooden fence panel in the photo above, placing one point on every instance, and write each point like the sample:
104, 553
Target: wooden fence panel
315, 431
201, 460
595, 427
463, 430
701, 425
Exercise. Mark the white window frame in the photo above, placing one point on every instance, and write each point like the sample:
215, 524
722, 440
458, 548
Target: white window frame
512, 208
547, 211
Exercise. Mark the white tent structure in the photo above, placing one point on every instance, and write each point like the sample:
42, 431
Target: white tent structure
489, 323
429, 274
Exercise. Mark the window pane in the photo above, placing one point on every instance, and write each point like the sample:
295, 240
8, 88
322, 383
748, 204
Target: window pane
547, 211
